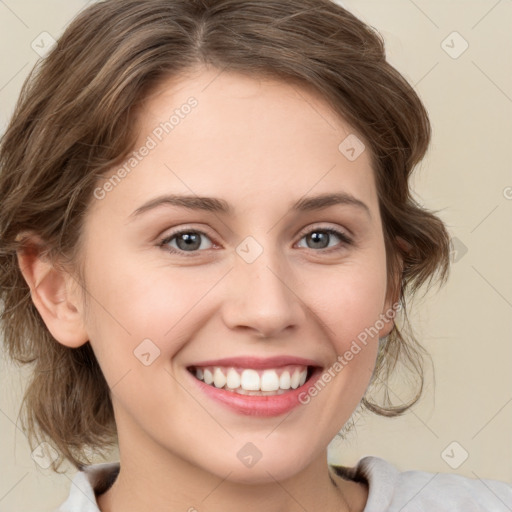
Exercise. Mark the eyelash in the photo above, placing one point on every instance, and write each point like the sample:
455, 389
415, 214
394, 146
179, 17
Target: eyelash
345, 240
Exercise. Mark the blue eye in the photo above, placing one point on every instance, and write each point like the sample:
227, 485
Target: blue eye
192, 241
186, 241
321, 238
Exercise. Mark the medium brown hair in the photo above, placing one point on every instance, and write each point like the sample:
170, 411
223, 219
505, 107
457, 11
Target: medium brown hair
74, 121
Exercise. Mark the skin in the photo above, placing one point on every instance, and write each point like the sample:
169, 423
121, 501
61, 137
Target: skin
261, 145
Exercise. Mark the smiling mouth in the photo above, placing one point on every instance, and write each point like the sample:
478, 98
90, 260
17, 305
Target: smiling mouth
255, 382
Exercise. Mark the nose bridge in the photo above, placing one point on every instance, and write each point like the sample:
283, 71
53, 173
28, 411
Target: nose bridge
262, 297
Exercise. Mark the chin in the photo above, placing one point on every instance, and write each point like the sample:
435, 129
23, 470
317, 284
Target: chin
261, 474
251, 466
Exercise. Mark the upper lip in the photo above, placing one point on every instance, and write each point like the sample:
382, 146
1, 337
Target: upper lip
258, 362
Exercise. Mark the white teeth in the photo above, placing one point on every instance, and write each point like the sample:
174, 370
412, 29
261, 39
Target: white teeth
253, 382
233, 379
250, 380
269, 381
284, 380
208, 377
219, 379
295, 379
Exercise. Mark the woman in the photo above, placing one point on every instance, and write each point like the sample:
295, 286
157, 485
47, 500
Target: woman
207, 234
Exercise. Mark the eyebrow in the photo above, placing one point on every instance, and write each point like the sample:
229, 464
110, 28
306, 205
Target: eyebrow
213, 204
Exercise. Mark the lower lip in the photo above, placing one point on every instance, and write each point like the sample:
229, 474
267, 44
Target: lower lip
251, 405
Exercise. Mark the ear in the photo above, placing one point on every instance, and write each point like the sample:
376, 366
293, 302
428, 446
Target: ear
54, 293
392, 304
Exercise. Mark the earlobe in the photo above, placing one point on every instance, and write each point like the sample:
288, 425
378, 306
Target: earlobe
54, 294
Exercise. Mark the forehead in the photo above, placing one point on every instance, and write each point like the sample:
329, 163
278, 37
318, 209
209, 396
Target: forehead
239, 137
235, 108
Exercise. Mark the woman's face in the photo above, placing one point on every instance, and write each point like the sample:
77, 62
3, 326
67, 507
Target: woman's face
256, 291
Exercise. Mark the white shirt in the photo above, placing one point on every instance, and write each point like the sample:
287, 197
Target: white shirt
389, 489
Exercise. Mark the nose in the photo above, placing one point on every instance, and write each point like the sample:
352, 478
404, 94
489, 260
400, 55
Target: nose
261, 297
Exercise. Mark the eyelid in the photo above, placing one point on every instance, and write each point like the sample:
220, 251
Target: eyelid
343, 233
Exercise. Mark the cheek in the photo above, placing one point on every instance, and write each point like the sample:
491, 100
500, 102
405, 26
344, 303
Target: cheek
129, 304
349, 300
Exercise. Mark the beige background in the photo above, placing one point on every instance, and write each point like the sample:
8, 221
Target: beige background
467, 175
